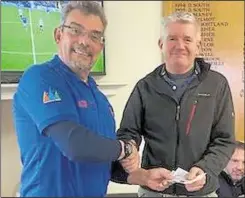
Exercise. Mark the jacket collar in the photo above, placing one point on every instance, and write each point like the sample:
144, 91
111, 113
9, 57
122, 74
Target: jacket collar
158, 83
201, 67
229, 180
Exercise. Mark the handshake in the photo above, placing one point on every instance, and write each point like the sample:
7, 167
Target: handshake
160, 179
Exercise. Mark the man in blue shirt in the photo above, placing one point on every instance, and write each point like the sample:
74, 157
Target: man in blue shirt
65, 125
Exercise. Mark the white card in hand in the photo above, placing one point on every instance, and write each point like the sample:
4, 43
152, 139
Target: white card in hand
180, 176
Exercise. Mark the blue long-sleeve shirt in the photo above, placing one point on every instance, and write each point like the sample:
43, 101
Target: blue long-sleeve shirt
79, 119
80, 144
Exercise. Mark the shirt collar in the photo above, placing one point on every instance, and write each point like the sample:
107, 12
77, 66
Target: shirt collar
196, 65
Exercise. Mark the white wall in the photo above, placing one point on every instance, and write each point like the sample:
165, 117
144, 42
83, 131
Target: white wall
131, 53
131, 45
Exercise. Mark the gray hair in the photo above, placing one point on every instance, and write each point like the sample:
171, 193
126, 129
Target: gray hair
240, 145
86, 7
181, 17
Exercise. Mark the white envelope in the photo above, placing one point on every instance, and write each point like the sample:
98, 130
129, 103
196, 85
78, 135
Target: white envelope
180, 176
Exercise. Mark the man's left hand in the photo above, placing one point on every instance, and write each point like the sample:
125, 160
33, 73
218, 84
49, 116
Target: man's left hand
197, 185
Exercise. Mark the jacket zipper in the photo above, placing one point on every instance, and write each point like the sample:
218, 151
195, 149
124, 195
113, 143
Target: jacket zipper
193, 110
177, 117
178, 113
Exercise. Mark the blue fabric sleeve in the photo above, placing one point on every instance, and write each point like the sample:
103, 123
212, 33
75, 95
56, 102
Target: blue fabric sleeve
45, 96
79, 144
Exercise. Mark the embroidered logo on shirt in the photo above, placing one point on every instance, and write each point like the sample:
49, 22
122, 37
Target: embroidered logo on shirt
51, 96
83, 103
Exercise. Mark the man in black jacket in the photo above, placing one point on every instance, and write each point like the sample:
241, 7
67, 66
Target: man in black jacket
232, 180
184, 112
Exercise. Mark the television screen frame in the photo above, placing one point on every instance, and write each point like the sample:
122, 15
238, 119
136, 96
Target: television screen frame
13, 77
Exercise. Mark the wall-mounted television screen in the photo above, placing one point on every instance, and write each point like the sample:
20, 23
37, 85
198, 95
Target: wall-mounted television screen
27, 37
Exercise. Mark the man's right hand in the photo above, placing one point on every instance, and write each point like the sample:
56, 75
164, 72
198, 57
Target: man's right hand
156, 179
159, 179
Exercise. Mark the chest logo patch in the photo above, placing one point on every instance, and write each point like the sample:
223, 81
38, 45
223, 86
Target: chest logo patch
51, 96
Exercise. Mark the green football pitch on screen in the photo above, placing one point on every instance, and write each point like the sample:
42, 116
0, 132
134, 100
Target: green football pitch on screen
24, 46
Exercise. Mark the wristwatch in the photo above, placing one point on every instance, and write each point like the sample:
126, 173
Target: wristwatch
128, 149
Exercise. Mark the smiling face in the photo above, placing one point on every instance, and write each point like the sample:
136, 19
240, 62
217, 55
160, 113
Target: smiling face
180, 46
79, 40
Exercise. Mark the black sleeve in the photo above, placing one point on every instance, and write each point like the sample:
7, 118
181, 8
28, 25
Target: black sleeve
80, 144
243, 186
222, 141
132, 119
118, 174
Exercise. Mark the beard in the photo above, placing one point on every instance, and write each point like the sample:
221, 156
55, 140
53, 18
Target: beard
81, 59
78, 67
237, 175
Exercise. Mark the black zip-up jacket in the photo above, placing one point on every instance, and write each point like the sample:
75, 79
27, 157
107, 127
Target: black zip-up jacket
197, 131
228, 188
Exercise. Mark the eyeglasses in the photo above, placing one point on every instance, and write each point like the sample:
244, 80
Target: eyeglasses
96, 37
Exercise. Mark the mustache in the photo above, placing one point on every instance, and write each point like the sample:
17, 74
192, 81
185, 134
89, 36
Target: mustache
238, 172
179, 52
82, 48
